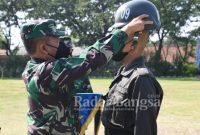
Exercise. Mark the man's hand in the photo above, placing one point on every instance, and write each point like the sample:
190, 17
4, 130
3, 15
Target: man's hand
136, 25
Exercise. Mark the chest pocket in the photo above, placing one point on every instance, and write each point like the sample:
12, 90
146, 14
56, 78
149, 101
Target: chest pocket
119, 92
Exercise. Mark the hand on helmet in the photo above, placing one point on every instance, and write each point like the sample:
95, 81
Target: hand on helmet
136, 25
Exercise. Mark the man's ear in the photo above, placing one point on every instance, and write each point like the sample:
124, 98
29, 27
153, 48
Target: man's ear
42, 48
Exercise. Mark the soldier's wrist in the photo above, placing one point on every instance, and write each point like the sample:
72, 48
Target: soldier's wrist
120, 38
128, 30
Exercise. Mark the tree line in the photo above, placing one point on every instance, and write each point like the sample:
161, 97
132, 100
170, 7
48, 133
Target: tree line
89, 20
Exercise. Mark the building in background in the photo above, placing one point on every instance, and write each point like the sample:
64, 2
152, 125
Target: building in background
169, 53
2, 54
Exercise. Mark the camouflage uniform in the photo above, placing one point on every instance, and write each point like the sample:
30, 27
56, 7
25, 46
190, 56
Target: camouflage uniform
51, 86
82, 85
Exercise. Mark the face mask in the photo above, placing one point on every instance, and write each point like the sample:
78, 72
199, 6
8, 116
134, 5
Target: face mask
119, 56
62, 51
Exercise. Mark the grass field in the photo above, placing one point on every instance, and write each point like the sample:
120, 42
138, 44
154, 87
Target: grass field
179, 115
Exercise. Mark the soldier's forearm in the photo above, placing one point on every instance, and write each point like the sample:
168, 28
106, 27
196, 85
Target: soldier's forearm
98, 54
109, 45
113, 44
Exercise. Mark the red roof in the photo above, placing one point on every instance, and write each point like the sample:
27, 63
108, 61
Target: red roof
2, 53
169, 52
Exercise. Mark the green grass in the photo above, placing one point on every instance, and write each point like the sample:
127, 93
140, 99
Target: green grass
179, 114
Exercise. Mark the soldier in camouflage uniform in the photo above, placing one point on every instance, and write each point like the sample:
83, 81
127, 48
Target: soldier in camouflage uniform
51, 81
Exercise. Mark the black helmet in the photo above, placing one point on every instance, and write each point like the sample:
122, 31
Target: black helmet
126, 12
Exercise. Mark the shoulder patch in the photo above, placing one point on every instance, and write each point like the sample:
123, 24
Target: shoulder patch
142, 71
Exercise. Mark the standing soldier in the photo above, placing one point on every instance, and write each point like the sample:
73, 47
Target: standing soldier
50, 79
133, 101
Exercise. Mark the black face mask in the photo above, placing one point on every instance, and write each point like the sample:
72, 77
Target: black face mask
62, 51
119, 56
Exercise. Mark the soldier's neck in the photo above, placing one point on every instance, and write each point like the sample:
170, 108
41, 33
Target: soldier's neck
129, 58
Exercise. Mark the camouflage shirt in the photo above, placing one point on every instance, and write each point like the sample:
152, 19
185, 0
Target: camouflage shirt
51, 86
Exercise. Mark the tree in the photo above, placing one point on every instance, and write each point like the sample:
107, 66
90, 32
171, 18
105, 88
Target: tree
174, 15
1, 40
87, 20
9, 18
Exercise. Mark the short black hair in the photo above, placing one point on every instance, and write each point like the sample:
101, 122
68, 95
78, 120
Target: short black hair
31, 44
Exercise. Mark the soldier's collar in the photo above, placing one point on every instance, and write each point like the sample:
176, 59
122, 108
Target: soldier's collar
126, 72
139, 62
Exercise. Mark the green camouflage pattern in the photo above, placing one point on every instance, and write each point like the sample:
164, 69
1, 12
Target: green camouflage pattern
51, 86
40, 28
